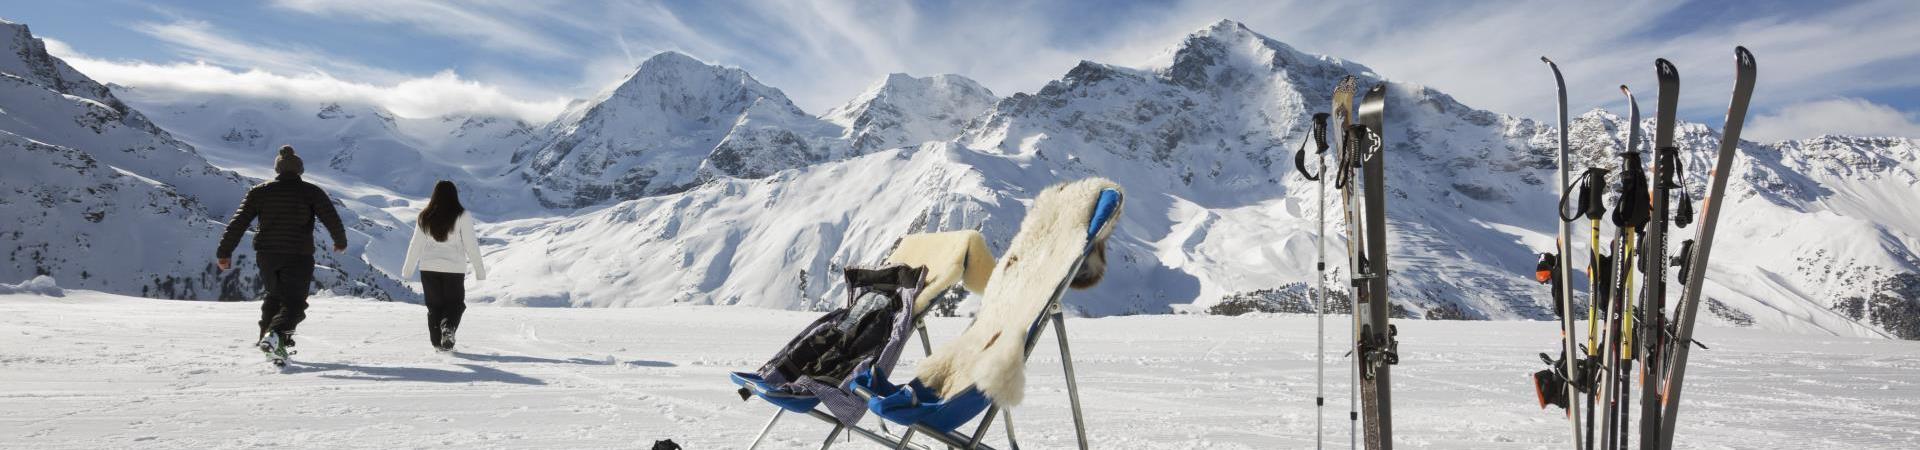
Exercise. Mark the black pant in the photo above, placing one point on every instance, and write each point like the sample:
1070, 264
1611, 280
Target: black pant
446, 295
287, 278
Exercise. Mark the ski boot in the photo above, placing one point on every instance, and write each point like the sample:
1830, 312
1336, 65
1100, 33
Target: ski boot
446, 336
277, 347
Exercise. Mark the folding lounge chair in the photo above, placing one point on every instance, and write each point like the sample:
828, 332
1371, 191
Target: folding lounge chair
947, 259
1061, 244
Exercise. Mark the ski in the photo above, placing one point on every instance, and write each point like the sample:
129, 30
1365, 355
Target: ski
1629, 215
1653, 258
1695, 268
1377, 349
1592, 204
1563, 291
1343, 111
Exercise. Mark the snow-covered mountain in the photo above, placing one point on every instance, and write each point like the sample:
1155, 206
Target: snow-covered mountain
349, 144
658, 129
1200, 140
99, 197
902, 110
693, 183
678, 122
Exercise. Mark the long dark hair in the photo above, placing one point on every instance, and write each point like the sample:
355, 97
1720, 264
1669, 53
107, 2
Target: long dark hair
442, 209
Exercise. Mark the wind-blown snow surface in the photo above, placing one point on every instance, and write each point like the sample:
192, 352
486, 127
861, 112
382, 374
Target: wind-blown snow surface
94, 370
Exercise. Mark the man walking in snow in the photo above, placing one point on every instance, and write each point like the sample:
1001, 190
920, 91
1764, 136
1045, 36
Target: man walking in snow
283, 248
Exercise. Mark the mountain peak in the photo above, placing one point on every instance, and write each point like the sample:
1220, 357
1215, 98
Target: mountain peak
681, 85
1227, 26
650, 134
1228, 53
671, 58
904, 110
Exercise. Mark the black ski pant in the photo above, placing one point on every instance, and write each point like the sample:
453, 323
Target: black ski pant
446, 297
287, 278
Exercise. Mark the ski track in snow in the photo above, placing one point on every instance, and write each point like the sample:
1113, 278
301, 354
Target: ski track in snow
94, 370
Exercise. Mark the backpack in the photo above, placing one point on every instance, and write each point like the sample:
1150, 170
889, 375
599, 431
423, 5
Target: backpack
879, 304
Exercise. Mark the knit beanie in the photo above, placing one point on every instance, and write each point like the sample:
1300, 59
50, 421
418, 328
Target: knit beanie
287, 162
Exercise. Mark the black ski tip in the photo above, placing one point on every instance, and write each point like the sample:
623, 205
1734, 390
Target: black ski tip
1624, 90
1548, 61
1744, 57
1665, 68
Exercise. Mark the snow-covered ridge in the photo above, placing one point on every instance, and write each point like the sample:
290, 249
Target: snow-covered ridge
678, 122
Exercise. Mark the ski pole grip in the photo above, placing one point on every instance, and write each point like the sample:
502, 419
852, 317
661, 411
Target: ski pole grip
1320, 132
1300, 164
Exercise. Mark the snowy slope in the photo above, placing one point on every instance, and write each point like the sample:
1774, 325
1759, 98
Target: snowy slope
180, 375
773, 242
902, 110
96, 194
1808, 221
1833, 212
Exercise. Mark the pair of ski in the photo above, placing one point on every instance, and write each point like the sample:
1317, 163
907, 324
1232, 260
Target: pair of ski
1662, 345
1360, 175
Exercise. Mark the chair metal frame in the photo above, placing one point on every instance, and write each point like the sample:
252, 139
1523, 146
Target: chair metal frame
1052, 313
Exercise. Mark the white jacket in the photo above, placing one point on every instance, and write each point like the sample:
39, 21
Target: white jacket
461, 248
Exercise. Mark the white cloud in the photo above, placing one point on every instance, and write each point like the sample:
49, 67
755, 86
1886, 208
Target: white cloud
443, 93
60, 48
1486, 55
200, 41
496, 24
1841, 116
823, 52
230, 66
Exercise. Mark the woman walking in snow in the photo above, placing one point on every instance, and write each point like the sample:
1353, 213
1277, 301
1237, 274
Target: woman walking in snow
443, 246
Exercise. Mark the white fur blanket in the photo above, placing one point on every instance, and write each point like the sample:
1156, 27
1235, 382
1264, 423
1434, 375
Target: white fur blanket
991, 355
953, 257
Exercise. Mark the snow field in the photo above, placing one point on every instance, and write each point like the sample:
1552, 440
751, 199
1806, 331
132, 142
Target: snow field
92, 370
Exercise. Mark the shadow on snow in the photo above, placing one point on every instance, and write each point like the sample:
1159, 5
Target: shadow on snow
522, 359
473, 373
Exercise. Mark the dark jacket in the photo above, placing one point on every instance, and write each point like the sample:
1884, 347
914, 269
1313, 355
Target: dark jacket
286, 208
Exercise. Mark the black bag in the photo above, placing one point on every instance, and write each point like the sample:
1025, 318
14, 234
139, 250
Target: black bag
834, 345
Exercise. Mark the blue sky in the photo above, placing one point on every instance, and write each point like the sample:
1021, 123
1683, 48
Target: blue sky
1842, 67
